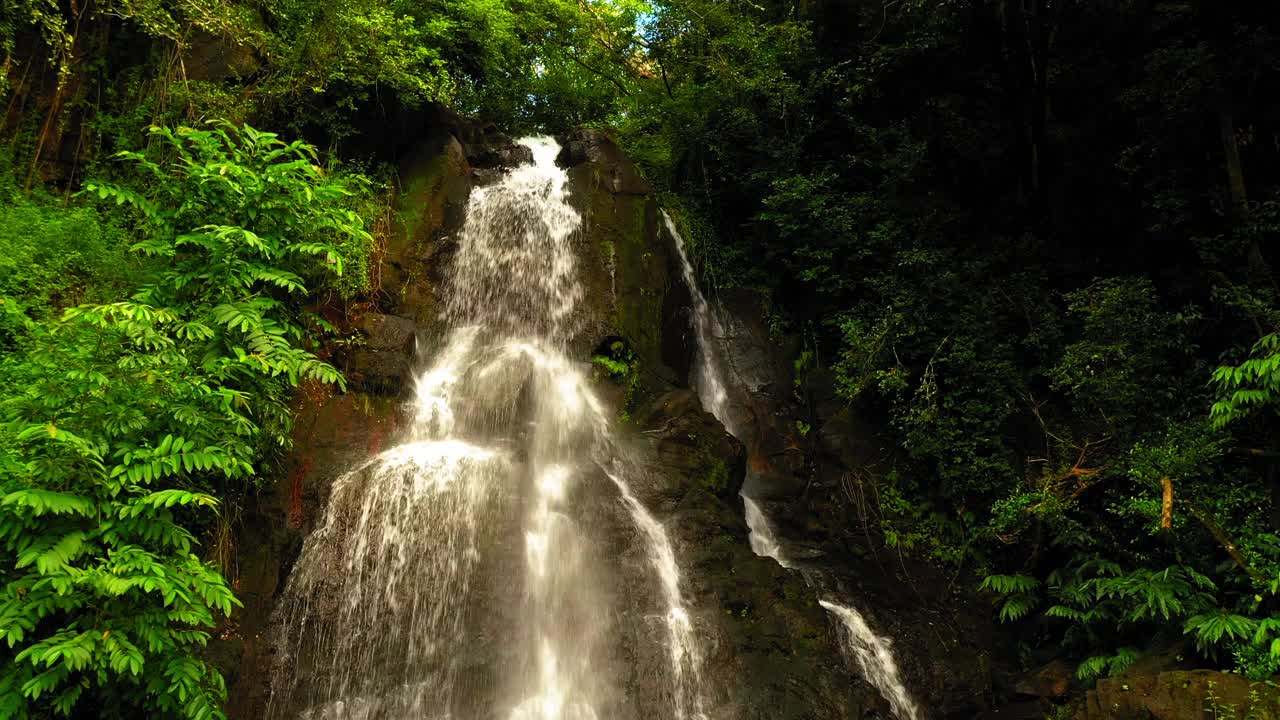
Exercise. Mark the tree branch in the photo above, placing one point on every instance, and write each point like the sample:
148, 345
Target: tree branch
1226, 542
617, 83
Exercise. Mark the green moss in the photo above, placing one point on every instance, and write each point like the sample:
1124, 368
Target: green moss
419, 203
637, 304
608, 250
717, 480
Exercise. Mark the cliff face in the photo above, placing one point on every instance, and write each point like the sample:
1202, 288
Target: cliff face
770, 650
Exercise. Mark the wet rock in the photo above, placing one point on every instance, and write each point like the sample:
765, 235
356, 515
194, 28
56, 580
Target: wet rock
572, 153
623, 263
378, 371
331, 434
387, 332
813, 465
216, 57
435, 185
489, 148
612, 168
679, 341
504, 154
771, 649
691, 447
1052, 680
383, 360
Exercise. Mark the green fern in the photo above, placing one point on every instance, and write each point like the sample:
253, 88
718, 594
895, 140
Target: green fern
1249, 386
1009, 583
1017, 589
1097, 666
1017, 606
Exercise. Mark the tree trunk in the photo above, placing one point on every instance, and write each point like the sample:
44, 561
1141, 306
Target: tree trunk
1273, 482
1235, 171
1166, 505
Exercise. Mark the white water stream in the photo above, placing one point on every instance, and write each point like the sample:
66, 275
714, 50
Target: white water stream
873, 655
710, 380
405, 581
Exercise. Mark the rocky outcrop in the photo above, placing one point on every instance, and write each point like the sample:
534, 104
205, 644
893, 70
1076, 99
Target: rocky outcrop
332, 433
812, 466
623, 264
1180, 695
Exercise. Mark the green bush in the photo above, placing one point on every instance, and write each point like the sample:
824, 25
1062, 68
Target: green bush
132, 412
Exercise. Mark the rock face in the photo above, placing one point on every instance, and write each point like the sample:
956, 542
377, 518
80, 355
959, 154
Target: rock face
812, 468
624, 266
771, 652
331, 434
1054, 680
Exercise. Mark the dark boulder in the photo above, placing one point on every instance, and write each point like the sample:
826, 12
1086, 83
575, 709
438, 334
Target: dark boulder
613, 169
505, 154
1052, 680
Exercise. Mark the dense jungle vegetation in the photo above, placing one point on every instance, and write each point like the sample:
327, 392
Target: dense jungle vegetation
1031, 239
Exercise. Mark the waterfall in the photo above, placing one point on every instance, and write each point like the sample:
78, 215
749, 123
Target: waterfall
458, 574
874, 657
709, 378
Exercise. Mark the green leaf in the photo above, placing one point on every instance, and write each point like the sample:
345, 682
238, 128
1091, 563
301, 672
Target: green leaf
1009, 583
43, 502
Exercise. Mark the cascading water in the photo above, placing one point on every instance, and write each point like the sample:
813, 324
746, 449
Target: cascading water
709, 378
404, 581
873, 655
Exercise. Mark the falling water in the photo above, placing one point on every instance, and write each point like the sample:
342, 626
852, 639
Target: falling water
763, 541
874, 657
709, 376
404, 582
709, 379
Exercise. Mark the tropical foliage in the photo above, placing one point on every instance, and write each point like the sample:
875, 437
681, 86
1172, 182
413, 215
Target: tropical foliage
125, 416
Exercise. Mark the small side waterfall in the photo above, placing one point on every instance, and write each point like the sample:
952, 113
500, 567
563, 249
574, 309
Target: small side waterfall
710, 381
873, 655
763, 540
709, 378
406, 600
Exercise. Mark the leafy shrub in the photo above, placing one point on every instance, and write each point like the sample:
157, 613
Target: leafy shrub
1125, 353
52, 256
133, 411
1252, 385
